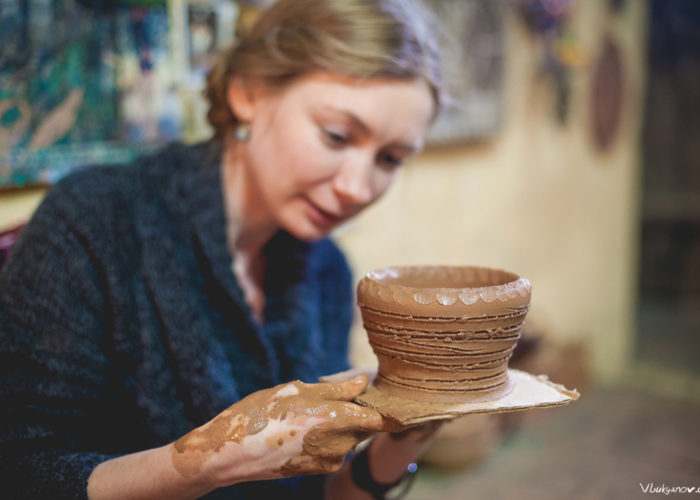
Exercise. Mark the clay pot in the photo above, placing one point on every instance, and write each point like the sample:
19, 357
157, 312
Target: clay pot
443, 334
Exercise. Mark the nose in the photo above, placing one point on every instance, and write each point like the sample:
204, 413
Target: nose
353, 181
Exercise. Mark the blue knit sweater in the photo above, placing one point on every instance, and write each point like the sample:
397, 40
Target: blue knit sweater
122, 326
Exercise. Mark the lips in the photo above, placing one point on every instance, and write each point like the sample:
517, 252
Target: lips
321, 216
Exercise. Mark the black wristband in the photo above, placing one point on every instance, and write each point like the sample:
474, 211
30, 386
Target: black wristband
362, 476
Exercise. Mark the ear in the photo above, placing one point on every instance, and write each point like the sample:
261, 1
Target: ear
241, 99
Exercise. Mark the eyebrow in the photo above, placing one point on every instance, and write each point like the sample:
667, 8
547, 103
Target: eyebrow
357, 122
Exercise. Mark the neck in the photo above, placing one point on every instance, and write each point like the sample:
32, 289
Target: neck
248, 224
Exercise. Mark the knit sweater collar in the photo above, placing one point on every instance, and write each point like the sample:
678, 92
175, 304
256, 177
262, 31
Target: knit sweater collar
203, 200
290, 311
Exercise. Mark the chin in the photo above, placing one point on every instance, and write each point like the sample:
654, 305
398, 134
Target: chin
307, 232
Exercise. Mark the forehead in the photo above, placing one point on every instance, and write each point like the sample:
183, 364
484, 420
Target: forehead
388, 105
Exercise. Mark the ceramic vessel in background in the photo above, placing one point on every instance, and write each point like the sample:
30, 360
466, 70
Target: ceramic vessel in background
441, 333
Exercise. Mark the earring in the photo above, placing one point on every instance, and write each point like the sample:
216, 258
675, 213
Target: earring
242, 131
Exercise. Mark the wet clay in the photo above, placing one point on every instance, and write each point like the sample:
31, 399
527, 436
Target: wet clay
443, 334
326, 445
343, 426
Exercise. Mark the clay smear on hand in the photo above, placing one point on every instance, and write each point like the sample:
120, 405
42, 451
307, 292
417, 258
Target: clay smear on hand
324, 446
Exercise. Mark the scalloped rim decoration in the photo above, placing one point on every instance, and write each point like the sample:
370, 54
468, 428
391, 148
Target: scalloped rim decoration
374, 284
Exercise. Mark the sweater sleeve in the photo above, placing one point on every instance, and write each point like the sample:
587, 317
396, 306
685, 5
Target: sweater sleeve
52, 367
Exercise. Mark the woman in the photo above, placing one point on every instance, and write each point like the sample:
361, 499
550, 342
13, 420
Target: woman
153, 316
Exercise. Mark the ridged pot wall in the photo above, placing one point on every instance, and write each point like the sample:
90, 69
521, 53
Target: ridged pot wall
443, 334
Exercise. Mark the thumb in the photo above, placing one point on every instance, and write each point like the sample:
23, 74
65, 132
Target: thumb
347, 390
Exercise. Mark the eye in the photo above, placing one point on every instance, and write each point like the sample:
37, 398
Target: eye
388, 160
335, 138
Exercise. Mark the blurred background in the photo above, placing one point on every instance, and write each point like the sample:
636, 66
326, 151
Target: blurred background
568, 153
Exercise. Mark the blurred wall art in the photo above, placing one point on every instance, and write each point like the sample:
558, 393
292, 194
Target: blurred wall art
86, 82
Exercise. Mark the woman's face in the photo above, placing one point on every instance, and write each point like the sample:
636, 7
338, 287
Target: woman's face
326, 146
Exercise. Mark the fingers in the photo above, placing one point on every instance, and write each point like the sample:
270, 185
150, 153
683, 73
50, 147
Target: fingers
370, 371
362, 418
334, 400
346, 390
346, 416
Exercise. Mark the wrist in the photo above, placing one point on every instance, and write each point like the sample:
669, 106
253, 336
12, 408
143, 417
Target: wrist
231, 464
206, 468
363, 471
389, 458
144, 474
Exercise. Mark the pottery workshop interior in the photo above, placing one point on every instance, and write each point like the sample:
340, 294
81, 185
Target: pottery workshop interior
565, 155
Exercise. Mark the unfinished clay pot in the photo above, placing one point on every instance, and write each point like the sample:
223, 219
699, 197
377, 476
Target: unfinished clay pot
443, 334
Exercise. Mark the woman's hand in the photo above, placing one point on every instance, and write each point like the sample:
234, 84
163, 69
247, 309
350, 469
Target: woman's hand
390, 454
388, 457
289, 430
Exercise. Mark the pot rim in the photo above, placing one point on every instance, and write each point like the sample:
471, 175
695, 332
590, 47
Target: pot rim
385, 283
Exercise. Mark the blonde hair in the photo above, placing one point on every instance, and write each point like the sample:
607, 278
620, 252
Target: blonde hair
357, 38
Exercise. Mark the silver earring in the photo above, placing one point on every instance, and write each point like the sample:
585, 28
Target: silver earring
242, 131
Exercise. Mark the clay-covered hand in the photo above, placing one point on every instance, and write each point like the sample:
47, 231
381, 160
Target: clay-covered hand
288, 430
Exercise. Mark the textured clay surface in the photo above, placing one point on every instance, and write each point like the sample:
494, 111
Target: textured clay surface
443, 334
